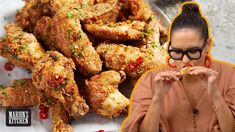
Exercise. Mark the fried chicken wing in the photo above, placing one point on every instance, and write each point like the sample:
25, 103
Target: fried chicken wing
132, 60
110, 16
20, 47
152, 32
65, 33
140, 10
92, 12
117, 31
186, 70
54, 75
36, 9
28, 16
60, 118
103, 94
20, 93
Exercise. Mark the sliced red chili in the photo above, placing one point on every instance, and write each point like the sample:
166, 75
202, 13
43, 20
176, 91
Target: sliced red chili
43, 108
100, 130
131, 66
57, 80
8, 66
139, 61
43, 115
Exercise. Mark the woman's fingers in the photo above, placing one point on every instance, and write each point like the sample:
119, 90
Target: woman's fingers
201, 70
167, 76
198, 70
204, 72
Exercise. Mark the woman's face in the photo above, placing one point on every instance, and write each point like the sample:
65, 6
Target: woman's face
189, 39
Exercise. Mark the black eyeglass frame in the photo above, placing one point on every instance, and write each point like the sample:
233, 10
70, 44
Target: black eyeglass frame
185, 52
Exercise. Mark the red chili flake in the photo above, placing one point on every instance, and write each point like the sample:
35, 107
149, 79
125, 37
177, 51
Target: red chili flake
57, 80
139, 61
131, 66
43, 108
43, 115
100, 130
8, 66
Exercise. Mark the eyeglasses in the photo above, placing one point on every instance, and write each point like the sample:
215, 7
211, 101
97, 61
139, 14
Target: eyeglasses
192, 53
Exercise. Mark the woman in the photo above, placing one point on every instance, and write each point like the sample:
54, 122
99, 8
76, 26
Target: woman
203, 100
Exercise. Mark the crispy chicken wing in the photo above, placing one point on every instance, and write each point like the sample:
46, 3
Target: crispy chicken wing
20, 93
132, 60
110, 16
140, 10
60, 118
94, 12
28, 16
20, 47
103, 94
117, 31
152, 33
36, 9
54, 75
65, 33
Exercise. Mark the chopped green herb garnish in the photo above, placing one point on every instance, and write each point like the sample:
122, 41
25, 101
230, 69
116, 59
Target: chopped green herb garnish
75, 51
16, 57
80, 36
69, 15
151, 18
6, 48
18, 37
22, 47
154, 45
147, 31
48, 102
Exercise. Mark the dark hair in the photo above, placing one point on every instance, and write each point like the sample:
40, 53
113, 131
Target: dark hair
190, 17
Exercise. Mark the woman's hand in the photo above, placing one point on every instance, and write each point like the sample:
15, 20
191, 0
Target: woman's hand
163, 82
209, 75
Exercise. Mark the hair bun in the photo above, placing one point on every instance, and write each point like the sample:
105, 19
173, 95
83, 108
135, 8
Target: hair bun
190, 8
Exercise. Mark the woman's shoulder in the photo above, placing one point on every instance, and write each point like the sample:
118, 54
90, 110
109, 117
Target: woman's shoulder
222, 67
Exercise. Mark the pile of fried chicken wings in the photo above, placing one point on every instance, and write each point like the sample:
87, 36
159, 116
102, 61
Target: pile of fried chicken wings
104, 41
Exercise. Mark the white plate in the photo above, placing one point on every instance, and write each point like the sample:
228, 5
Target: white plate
89, 123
